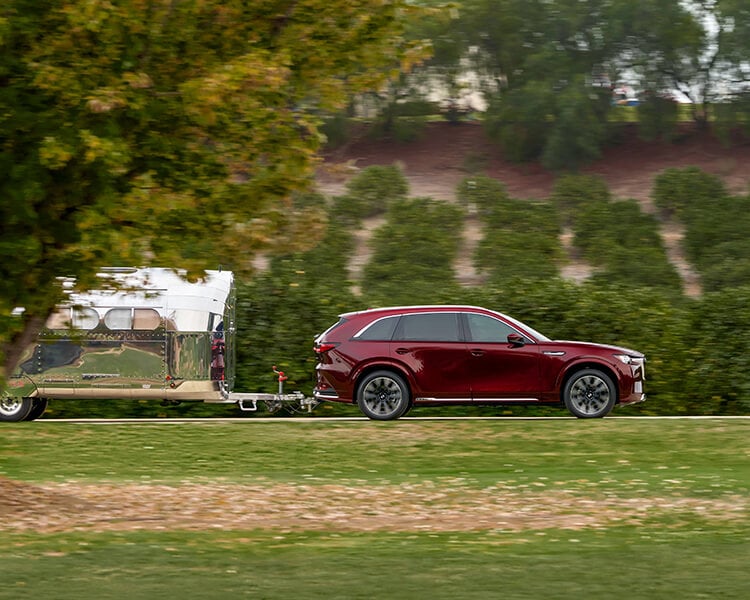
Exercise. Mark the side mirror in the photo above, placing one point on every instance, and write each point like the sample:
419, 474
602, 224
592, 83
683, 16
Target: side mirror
516, 340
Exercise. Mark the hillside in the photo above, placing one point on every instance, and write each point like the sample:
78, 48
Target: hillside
446, 153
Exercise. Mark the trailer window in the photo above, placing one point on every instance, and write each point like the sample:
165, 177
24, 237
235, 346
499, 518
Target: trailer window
146, 319
118, 318
76, 318
132, 318
85, 318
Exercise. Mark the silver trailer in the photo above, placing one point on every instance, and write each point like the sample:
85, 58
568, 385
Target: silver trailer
146, 334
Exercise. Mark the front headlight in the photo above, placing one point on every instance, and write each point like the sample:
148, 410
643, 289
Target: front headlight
637, 364
625, 358
630, 360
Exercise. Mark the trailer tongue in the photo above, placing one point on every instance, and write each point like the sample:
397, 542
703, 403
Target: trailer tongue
248, 402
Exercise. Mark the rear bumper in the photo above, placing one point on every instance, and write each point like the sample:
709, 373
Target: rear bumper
328, 394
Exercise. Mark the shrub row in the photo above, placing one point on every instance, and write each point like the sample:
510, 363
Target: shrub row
521, 237
716, 224
697, 362
623, 242
413, 252
697, 351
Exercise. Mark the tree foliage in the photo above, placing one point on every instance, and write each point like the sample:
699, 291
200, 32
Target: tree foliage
167, 132
548, 68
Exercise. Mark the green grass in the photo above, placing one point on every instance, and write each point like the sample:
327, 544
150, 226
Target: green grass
619, 563
665, 550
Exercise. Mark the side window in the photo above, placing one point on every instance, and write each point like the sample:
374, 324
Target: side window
118, 318
146, 319
143, 319
379, 330
484, 329
429, 327
85, 318
76, 318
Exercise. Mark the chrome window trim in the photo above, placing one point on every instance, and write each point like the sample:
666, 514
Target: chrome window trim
531, 333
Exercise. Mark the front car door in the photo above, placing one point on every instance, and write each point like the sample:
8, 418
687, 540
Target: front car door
500, 370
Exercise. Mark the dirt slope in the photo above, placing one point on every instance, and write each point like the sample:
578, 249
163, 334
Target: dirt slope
447, 153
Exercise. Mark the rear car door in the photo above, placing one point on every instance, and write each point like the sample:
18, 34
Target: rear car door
431, 346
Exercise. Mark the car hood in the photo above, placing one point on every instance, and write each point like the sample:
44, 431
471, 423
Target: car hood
583, 345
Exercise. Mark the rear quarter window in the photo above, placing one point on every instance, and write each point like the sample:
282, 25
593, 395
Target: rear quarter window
332, 328
380, 330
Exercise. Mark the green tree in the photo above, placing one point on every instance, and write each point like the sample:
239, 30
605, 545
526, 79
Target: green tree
548, 68
541, 61
166, 132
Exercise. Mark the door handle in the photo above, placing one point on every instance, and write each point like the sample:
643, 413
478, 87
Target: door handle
477, 352
402, 350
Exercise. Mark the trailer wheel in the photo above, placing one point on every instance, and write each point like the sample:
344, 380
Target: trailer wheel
383, 396
37, 409
14, 409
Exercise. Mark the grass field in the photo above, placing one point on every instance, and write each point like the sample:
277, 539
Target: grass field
616, 508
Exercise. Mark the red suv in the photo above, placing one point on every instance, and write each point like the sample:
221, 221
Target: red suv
389, 359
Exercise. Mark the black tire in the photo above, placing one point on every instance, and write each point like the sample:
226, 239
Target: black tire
383, 396
14, 409
37, 409
590, 394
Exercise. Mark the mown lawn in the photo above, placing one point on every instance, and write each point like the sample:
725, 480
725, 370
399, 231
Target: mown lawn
617, 508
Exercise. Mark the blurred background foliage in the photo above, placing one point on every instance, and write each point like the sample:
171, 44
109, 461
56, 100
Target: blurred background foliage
697, 348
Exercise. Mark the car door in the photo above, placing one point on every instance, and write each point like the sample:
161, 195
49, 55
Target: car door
500, 370
431, 346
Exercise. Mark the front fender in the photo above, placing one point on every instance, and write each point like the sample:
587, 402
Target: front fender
588, 362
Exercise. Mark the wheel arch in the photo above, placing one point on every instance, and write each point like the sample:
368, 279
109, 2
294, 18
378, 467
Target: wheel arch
384, 366
571, 370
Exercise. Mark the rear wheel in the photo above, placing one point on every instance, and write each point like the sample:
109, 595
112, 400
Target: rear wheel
590, 394
14, 409
383, 396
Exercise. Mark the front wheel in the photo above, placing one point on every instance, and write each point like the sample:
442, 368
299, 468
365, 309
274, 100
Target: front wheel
590, 394
14, 409
383, 396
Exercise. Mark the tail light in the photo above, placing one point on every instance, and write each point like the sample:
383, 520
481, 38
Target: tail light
322, 348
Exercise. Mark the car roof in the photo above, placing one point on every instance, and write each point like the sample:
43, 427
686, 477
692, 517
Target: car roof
416, 309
